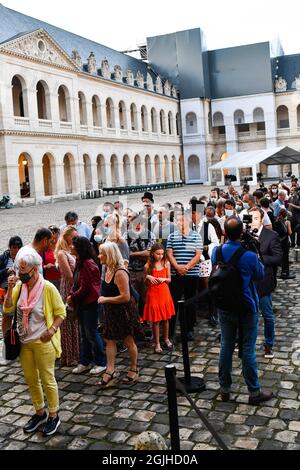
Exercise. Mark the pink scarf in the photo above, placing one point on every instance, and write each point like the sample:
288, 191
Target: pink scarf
29, 300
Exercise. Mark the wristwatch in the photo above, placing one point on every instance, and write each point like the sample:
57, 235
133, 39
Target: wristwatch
54, 328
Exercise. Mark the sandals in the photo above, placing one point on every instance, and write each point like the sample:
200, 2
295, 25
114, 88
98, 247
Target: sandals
109, 383
132, 380
158, 350
169, 345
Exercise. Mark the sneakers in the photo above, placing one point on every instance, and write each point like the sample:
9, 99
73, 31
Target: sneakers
80, 369
97, 370
261, 398
269, 352
35, 422
51, 426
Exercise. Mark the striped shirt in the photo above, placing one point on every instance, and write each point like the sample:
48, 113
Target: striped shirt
184, 250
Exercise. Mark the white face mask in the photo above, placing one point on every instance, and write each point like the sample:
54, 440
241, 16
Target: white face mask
246, 205
229, 213
274, 191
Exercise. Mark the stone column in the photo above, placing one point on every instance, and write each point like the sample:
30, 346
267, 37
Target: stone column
32, 106
121, 173
13, 182
94, 170
37, 188
55, 111
132, 173
108, 175
60, 179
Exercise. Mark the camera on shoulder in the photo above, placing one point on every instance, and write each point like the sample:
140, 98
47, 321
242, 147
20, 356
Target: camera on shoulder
249, 238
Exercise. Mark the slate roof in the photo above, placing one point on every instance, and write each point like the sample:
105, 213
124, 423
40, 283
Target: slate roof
288, 68
14, 24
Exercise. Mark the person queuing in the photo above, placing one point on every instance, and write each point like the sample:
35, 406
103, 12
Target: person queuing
120, 319
284, 230
294, 208
184, 250
40, 313
271, 252
39, 245
84, 297
163, 227
251, 270
159, 306
7, 260
51, 271
66, 263
72, 219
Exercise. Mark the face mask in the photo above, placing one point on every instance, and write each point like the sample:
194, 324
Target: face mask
98, 238
246, 205
229, 213
274, 191
94, 225
105, 215
213, 200
239, 208
108, 230
25, 278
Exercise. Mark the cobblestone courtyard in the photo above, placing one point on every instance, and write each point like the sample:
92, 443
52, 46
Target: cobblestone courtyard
110, 419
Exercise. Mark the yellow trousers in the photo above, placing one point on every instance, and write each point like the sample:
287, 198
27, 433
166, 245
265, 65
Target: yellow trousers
38, 363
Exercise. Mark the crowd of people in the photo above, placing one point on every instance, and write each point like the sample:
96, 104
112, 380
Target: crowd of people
85, 294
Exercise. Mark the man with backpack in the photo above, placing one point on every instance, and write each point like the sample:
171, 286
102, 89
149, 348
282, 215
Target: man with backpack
232, 284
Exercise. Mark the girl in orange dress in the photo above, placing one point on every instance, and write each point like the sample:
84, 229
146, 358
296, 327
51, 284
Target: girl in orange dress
159, 305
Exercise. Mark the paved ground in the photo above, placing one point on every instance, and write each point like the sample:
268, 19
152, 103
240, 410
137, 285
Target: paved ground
110, 419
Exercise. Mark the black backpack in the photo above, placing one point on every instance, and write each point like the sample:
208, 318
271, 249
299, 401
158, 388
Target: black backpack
226, 285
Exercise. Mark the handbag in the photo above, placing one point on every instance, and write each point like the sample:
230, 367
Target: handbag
12, 339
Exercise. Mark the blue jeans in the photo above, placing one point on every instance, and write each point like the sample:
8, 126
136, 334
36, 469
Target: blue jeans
266, 308
229, 323
91, 343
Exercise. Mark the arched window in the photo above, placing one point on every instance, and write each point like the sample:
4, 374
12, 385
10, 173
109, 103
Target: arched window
87, 172
82, 109
162, 122
26, 176
18, 86
170, 123
64, 104
96, 107
178, 124
138, 170
194, 168
239, 117
218, 120
157, 169
69, 173
133, 117
110, 114
101, 171
49, 175
144, 116
122, 115
258, 115
154, 120
43, 102
191, 123
114, 164
126, 170
283, 121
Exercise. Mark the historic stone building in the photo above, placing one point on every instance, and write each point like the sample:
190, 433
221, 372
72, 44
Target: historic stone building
78, 116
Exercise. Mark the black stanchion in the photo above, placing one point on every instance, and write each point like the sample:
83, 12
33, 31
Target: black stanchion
191, 384
170, 373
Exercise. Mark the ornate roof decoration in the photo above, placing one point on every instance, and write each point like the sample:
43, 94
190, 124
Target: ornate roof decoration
150, 85
105, 72
118, 73
130, 78
92, 63
39, 46
159, 86
280, 85
140, 79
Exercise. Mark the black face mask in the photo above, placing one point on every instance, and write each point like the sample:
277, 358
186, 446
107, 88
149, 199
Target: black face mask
25, 278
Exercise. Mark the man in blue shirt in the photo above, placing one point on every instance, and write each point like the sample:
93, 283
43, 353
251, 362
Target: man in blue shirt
279, 203
82, 228
251, 270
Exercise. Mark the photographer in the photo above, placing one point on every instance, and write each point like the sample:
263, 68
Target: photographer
243, 315
271, 252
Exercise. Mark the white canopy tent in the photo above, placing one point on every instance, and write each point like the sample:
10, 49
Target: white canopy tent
275, 156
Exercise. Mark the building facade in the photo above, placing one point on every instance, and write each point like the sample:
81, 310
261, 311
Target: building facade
70, 124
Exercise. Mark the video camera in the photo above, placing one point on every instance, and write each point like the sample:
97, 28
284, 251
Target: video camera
249, 238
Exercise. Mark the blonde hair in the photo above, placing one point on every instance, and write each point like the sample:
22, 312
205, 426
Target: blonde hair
114, 259
62, 244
